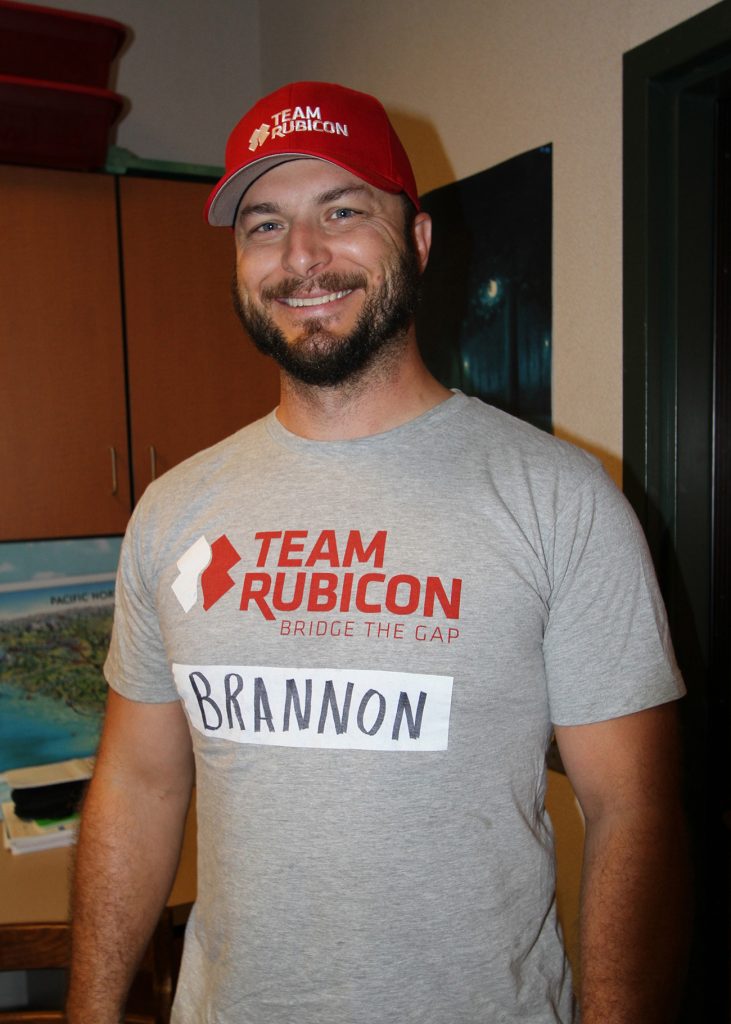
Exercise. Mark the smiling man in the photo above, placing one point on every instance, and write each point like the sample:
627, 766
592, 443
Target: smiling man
321, 324
359, 621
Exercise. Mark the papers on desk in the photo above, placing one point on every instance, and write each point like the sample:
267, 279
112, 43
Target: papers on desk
35, 788
25, 836
75, 770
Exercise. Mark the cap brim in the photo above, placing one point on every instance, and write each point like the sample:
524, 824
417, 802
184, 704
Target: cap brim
226, 196
224, 200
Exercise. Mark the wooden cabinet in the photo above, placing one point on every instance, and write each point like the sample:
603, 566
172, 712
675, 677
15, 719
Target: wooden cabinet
62, 395
120, 354
194, 375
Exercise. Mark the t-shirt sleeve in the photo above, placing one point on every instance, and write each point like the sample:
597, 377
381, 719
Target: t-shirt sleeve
136, 664
607, 645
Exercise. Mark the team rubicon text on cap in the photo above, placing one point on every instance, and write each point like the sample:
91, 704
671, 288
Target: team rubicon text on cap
316, 120
307, 119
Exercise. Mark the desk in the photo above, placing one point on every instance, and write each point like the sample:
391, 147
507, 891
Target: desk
36, 886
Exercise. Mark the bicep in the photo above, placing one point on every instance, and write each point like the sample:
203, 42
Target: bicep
622, 764
145, 743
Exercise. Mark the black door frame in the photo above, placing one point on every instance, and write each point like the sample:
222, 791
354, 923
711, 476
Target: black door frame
672, 450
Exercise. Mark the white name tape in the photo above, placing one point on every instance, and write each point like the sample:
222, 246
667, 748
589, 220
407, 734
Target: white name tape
346, 709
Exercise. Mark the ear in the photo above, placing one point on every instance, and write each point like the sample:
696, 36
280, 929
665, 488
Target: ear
422, 237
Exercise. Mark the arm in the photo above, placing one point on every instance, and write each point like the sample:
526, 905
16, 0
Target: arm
634, 892
129, 844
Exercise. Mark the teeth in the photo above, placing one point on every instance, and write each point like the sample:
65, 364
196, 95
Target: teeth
320, 300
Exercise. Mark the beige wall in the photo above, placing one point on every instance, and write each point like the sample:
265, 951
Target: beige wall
473, 82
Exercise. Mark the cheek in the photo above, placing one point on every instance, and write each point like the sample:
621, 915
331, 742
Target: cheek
376, 256
242, 284
251, 275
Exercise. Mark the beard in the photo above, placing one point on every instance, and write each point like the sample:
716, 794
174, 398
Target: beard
320, 357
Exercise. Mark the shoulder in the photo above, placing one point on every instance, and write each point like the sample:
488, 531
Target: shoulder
519, 435
180, 501
520, 454
210, 468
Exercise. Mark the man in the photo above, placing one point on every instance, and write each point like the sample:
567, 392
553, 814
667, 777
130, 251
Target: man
364, 616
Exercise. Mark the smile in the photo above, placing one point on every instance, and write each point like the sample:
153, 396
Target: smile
319, 300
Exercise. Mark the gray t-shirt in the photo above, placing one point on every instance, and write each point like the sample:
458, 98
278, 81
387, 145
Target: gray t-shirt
372, 639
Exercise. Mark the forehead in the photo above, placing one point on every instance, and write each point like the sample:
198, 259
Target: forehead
311, 181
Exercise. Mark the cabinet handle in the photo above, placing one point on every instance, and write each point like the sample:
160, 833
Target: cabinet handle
153, 463
113, 453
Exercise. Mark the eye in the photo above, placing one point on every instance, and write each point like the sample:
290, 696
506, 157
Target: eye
343, 213
264, 228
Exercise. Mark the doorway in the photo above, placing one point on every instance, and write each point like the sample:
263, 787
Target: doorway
677, 418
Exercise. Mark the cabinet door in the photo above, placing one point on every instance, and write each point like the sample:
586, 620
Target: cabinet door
62, 399
194, 376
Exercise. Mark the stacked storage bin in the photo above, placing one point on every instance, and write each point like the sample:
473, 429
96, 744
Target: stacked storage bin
55, 107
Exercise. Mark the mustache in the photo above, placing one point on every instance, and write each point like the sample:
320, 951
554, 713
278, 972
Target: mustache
328, 281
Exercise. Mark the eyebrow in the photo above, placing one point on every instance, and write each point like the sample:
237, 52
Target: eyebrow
331, 196
245, 211
334, 194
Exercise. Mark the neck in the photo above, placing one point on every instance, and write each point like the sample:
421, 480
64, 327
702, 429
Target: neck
384, 396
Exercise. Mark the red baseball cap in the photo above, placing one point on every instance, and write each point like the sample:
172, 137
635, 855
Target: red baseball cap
312, 119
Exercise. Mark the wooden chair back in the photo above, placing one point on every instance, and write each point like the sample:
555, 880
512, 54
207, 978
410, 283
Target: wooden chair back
47, 946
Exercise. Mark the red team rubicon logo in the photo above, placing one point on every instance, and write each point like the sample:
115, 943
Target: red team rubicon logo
297, 572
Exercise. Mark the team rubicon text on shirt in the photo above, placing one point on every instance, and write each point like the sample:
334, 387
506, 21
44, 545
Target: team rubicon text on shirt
294, 571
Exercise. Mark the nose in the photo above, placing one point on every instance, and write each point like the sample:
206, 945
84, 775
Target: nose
306, 252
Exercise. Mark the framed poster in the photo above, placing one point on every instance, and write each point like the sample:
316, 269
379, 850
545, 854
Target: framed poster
56, 607
484, 324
